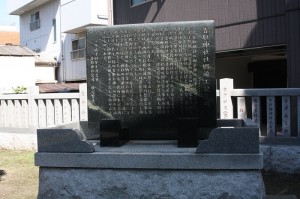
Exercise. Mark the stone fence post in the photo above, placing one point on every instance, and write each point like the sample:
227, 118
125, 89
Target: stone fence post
83, 102
226, 108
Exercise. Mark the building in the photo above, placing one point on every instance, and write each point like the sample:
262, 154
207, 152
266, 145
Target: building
9, 35
257, 41
21, 67
56, 28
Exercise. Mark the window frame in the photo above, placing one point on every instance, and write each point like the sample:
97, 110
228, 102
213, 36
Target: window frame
140, 2
76, 52
54, 30
35, 22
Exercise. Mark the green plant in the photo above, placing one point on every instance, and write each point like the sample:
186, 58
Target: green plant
20, 90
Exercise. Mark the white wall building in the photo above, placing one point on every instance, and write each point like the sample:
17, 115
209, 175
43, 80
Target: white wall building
17, 68
56, 28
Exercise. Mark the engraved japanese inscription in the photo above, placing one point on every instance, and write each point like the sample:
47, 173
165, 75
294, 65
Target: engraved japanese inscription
149, 75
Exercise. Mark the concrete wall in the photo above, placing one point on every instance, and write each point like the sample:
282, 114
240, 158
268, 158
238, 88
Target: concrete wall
45, 74
17, 71
72, 19
18, 139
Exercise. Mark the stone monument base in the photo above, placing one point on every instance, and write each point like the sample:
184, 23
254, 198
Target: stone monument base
226, 165
140, 183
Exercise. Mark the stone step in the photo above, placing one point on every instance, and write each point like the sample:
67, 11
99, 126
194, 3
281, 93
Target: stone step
281, 197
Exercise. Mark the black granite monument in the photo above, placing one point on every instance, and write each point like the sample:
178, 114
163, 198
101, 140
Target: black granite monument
151, 81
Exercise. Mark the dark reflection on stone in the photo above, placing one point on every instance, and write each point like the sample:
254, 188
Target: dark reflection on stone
112, 133
149, 75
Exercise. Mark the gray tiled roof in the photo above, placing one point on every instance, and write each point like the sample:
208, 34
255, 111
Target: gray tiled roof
6, 50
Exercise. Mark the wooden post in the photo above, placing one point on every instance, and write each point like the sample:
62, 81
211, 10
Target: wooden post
286, 116
226, 109
271, 116
83, 102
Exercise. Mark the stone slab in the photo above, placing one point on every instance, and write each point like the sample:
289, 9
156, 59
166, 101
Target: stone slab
63, 183
281, 158
149, 75
151, 155
288, 141
281, 197
231, 140
63, 140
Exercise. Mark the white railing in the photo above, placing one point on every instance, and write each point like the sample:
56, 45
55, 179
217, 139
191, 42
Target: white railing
283, 128
34, 110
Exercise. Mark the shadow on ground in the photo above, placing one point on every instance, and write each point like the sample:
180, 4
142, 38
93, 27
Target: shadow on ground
2, 173
282, 184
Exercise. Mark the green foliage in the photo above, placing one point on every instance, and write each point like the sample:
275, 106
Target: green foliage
20, 90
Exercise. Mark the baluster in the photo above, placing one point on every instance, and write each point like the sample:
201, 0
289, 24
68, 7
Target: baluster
4, 110
298, 115
42, 113
58, 111
25, 114
66, 111
256, 112
11, 113
50, 112
241, 107
83, 102
286, 116
271, 116
33, 106
75, 110
18, 117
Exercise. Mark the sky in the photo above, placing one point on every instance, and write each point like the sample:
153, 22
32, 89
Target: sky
5, 18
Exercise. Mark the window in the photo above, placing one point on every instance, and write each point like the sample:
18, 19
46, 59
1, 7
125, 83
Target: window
78, 49
35, 21
37, 50
54, 29
138, 2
